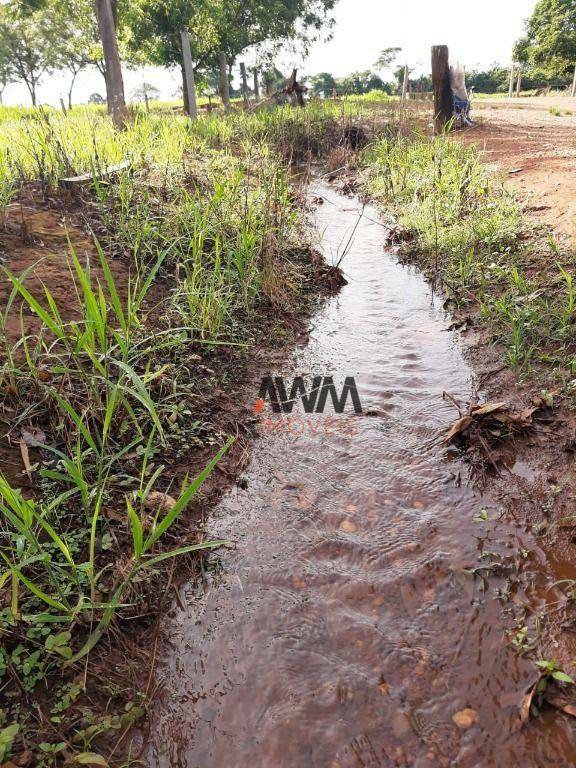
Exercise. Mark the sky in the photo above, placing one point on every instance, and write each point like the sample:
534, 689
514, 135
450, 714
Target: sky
477, 34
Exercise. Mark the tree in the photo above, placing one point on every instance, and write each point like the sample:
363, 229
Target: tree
244, 23
218, 25
387, 58
273, 79
154, 29
31, 39
493, 80
550, 38
361, 82
323, 84
399, 77
6, 71
145, 91
77, 46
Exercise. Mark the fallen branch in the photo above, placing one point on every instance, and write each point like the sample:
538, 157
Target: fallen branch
108, 173
292, 93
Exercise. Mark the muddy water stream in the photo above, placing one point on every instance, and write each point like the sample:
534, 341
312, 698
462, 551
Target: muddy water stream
345, 628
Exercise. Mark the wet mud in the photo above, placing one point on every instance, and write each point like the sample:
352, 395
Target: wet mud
352, 622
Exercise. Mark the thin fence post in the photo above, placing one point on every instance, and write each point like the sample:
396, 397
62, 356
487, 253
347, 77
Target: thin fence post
443, 101
405, 83
519, 84
573, 91
256, 84
189, 75
244, 84
511, 83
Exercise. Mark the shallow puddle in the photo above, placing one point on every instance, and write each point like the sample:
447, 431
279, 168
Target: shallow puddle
345, 628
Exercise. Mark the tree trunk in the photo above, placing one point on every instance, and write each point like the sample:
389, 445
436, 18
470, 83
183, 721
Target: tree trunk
31, 85
443, 100
114, 82
244, 84
256, 84
224, 82
74, 76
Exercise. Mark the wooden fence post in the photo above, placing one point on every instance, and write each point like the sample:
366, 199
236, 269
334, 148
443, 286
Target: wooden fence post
405, 83
190, 85
443, 100
256, 85
519, 84
244, 84
511, 83
573, 91
224, 82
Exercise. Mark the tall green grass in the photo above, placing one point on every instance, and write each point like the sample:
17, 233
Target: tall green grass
464, 228
45, 145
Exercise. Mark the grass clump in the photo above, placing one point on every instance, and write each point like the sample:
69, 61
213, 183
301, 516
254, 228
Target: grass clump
461, 225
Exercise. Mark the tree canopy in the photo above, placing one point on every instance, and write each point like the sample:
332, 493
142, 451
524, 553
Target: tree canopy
323, 84
387, 58
550, 39
219, 25
31, 41
145, 91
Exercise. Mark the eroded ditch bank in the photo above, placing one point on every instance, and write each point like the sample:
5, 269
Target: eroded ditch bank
352, 623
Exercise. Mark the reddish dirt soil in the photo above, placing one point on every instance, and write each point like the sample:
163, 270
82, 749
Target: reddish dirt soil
35, 238
535, 149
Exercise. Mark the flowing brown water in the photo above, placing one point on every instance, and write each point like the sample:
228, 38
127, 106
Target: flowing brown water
345, 628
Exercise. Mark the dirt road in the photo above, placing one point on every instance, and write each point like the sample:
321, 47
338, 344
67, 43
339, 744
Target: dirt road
535, 148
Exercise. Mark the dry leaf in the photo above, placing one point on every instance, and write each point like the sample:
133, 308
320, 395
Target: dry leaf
44, 375
459, 426
33, 436
25, 458
348, 526
562, 704
526, 414
156, 499
465, 718
482, 410
298, 582
527, 703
